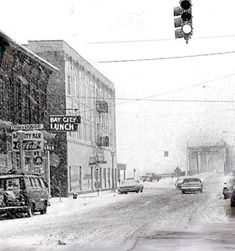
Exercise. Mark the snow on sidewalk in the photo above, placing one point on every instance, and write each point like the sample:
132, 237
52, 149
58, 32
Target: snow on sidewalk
83, 203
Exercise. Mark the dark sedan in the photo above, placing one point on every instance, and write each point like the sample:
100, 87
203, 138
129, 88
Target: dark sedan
191, 185
232, 198
130, 186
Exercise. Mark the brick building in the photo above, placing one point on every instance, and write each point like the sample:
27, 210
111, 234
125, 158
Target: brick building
24, 78
85, 158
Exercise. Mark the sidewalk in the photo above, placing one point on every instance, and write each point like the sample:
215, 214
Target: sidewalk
83, 203
88, 201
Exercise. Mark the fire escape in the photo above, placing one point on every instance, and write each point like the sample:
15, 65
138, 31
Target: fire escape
102, 140
102, 122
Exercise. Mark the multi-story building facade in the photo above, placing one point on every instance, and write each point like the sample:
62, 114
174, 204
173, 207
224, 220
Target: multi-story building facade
86, 157
24, 77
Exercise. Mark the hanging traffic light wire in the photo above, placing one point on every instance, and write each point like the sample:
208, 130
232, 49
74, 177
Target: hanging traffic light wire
183, 22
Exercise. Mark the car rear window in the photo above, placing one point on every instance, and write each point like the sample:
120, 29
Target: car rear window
128, 182
192, 180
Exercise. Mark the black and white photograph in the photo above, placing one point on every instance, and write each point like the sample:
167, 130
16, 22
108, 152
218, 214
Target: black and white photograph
117, 125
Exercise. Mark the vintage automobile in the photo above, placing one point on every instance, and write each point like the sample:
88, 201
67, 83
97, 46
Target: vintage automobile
130, 186
23, 194
191, 185
232, 198
228, 187
178, 183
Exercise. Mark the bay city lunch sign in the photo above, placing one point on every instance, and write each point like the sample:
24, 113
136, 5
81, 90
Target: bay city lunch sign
62, 123
31, 140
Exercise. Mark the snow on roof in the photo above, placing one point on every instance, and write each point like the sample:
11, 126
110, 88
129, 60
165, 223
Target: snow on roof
39, 58
29, 53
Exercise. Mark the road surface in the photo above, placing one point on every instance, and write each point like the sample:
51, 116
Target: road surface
123, 222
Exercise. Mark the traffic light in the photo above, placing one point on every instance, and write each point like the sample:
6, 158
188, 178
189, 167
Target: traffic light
183, 22
166, 153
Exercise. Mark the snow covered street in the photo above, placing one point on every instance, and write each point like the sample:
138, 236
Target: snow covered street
114, 221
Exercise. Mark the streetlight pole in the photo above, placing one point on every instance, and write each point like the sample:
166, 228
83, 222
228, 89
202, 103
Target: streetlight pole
48, 172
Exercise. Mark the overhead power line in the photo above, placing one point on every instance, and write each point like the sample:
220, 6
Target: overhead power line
166, 100
159, 94
131, 41
155, 40
165, 58
185, 87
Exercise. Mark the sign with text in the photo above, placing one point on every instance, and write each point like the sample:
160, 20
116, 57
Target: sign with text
49, 147
38, 160
31, 141
27, 127
62, 123
121, 166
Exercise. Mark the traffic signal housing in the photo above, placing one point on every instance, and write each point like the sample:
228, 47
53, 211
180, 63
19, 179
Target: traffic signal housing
183, 20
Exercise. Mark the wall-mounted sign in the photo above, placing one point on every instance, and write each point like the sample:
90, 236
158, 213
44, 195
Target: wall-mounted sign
37, 160
27, 127
62, 123
49, 147
31, 140
121, 166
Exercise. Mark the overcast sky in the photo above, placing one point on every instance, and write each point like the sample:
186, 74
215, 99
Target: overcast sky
145, 30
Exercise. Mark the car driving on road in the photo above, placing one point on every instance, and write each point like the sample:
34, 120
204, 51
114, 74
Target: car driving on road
190, 185
130, 186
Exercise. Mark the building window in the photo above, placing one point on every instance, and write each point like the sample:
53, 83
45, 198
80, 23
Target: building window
69, 85
77, 88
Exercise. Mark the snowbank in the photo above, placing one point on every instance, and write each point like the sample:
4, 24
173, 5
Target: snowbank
83, 203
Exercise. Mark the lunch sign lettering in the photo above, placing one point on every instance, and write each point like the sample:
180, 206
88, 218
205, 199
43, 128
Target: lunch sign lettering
62, 123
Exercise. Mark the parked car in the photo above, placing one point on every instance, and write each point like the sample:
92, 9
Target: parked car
23, 193
178, 183
190, 185
130, 186
228, 187
232, 198
146, 178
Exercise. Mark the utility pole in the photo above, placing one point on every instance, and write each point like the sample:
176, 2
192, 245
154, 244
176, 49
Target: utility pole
134, 173
207, 162
187, 160
22, 158
113, 175
48, 172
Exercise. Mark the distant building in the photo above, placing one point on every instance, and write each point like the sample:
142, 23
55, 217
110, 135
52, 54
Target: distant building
85, 158
24, 78
216, 158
